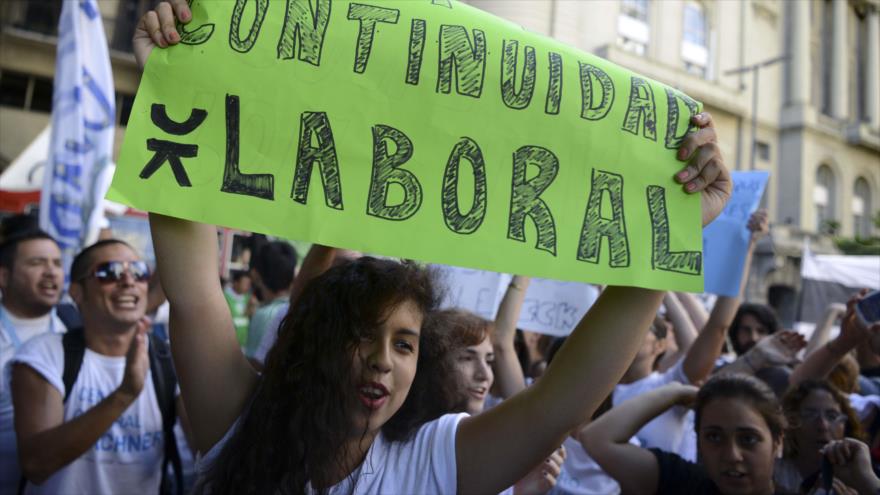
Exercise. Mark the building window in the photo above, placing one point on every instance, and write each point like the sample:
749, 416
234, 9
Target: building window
695, 39
633, 32
26, 92
124, 103
824, 197
861, 208
13, 89
762, 149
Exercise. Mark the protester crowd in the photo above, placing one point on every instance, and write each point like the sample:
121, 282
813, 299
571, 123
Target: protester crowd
346, 377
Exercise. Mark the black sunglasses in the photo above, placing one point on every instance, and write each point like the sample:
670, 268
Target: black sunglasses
112, 271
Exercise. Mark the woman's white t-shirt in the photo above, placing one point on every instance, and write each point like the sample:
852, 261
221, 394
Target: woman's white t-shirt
128, 456
425, 464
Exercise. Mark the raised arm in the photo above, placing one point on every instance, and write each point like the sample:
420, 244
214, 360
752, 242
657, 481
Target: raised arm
778, 349
216, 380
508, 372
700, 360
497, 447
822, 331
607, 438
698, 314
682, 329
852, 332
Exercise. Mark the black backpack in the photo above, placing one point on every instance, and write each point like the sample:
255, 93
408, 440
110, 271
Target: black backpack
164, 383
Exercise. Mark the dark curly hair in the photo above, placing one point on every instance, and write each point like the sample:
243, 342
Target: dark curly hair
791, 404
295, 429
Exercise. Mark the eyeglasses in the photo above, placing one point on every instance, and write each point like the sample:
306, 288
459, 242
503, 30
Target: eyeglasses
830, 415
112, 271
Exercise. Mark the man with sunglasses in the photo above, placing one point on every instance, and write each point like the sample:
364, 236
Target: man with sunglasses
104, 434
31, 281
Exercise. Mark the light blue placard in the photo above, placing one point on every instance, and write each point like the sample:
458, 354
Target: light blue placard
726, 240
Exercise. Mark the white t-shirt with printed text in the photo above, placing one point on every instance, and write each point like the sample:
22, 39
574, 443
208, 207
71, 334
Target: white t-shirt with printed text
425, 464
127, 458
25, 329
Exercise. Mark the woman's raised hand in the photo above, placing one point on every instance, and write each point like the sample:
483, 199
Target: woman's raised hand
705, 171
158, 28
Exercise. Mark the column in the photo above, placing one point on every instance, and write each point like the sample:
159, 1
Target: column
799, 63
839, 57
872, 68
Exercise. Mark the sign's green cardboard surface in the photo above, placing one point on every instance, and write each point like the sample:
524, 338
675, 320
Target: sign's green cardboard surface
424, 129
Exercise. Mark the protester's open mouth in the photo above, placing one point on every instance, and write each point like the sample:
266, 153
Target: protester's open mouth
48, 288
734, 475
126, 301
478, 393
373, 395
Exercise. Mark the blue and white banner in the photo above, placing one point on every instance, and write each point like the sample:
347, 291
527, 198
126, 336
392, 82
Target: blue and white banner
83, 125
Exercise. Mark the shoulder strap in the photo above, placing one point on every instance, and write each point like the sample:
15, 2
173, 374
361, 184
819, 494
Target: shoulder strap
69, 315
165, 385
74, 344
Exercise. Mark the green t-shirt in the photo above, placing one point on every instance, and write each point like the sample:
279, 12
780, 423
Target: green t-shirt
238, 307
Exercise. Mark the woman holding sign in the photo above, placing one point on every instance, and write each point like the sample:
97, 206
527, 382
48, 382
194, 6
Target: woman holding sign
339, 407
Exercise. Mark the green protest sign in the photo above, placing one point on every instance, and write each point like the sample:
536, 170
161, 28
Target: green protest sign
422, 128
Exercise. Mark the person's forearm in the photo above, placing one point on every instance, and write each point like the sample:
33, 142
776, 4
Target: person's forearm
318, 260
748, 364
42, 454
694, 309
508, 372
747, 266
215, 378
822, 331
624, 420
682, 327
700, 359
819, 363
596, 354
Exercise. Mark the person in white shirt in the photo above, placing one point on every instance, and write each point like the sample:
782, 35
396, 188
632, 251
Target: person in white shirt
338, 406
105, 434
31, 281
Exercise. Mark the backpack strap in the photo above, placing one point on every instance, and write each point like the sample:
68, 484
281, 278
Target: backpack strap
74, 344
165, 385
69, 315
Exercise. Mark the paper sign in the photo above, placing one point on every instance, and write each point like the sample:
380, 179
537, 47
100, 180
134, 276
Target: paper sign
550, 307
726, 240
425, 129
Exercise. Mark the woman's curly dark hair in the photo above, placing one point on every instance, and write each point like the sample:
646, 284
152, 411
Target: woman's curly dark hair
300, 417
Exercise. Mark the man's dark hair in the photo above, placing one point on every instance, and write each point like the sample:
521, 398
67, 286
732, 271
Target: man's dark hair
236, 275
275, 262
764, 314
9, 247
80, 266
